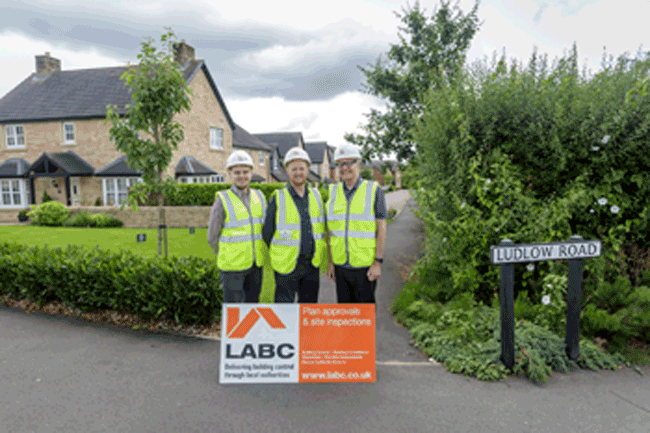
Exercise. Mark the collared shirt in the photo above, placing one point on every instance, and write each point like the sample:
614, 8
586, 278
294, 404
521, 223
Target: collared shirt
381, 213
306, 233
218, 215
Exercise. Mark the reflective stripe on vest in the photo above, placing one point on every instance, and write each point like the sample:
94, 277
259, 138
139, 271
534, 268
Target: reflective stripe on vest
352, 226
285, 244
241, 236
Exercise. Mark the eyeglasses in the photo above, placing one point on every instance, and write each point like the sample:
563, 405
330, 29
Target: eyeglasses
343, 164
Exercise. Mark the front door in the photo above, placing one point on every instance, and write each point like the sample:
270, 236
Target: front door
75, 191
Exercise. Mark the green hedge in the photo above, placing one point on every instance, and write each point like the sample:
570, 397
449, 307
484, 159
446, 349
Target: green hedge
185, 289
202, 194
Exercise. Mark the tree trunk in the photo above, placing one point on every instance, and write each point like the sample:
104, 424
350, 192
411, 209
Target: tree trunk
161, 216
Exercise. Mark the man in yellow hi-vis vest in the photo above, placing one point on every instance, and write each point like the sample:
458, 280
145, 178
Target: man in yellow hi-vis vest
295, 230
235, 232
356, 226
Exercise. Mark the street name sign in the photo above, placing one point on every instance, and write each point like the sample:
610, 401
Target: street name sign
523, 253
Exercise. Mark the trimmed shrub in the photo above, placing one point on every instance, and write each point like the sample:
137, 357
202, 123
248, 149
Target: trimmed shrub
185, 289
103, 220
51, 213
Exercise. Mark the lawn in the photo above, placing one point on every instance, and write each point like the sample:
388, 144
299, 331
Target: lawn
180, 243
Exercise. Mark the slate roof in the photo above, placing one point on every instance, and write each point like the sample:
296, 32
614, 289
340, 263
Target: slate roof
313, 177
316, 151
257, 178
188, 165
283, 140
242, 138
69, 162
14, 167
80, 94
117, 168
280, 175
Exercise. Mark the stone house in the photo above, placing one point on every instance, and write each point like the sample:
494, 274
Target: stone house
318, 153
280, 143
53, 138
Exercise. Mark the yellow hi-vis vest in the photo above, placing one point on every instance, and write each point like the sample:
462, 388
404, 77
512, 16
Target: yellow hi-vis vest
285, 245
352, 225
241, 236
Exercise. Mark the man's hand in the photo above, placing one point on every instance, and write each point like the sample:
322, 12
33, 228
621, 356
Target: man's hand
330, 271
374, 272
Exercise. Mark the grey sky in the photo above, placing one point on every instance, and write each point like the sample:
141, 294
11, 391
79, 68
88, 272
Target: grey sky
290, 64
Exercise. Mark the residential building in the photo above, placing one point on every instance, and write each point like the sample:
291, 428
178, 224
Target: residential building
280, 143
318, 153
53, 138
259, 151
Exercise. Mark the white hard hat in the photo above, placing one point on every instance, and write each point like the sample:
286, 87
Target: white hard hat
346, 151
296, 153
239, 157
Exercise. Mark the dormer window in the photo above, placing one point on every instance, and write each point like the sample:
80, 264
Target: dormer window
275, 161
14, 136
68, 133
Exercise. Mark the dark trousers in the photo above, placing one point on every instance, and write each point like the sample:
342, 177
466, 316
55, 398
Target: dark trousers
304, 280
241, 286
353, 286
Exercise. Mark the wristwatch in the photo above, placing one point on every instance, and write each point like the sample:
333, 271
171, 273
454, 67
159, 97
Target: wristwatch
379, 260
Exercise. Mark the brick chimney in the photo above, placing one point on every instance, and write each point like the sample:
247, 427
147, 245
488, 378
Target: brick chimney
46, 64
183, 52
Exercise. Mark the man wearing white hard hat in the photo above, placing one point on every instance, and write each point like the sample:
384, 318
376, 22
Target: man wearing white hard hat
235, 232
356, 226
294, 229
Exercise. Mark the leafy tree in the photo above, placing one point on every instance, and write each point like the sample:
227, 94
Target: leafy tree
429, 49
159, 92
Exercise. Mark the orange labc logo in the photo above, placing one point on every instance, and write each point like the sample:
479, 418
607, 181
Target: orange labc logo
237, 329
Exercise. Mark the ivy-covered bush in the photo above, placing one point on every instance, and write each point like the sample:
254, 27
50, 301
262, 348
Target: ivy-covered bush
51, 213
186, 289
536, 153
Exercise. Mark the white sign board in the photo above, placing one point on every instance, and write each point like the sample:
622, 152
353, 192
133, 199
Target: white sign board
505, 254
260, 345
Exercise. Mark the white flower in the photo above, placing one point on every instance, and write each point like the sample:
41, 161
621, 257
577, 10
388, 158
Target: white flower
546, 299
485, 188
595, 148
530, 267
550, 286
614, 209
488, 181
444, 239
602, 201
606, 139
462, 205
591, 211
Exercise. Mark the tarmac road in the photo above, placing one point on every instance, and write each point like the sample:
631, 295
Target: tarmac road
64, 375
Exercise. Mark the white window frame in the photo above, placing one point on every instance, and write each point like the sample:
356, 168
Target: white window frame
218, 178
261, 157
216, 141
66, 140
200, 179
130, 181
275, 162
10, 194
317, 169
11, 132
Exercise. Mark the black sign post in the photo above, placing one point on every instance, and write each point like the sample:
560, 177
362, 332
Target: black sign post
574, 305
506, 254
507, 301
